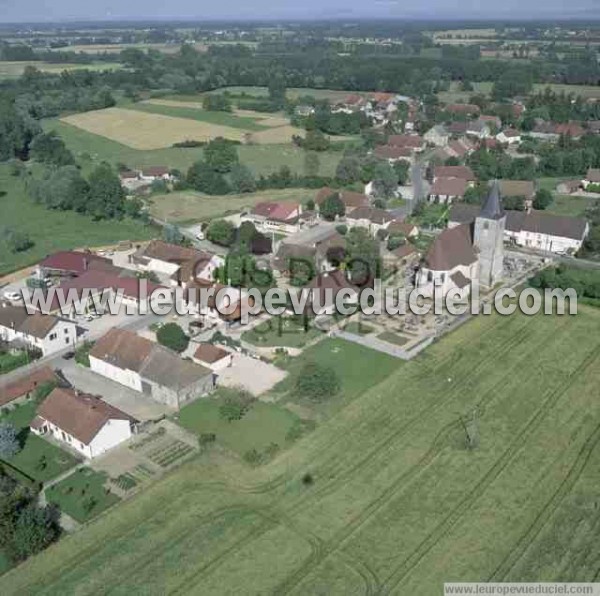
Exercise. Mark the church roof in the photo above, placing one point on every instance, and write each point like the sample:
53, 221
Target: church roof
492, 206
453, 247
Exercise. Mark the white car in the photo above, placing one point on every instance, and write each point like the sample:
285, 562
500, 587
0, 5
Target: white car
13, 296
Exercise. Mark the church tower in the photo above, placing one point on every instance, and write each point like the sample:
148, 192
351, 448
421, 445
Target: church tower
489, 238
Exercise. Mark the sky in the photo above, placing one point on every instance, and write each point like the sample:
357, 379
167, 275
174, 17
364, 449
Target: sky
70, 10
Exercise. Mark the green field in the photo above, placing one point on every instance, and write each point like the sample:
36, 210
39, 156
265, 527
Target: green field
54, 230
189, 206
13, 70
397, 503
221, 118
571, 206
262, 425
261, 159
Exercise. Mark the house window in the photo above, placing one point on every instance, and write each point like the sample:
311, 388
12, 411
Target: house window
64, 436
486, 225
81, 445
52, 336
66, 332
429, 276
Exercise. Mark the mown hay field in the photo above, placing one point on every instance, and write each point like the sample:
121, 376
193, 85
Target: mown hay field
396, 503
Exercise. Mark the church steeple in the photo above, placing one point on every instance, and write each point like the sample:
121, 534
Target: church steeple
492, 206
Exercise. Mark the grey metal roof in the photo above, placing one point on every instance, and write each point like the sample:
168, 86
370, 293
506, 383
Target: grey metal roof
492, 206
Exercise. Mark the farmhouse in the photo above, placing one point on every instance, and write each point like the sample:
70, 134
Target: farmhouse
149, 368
84, 422
71, 263
568, 187
154, 173
276, 216
414, 142
536, 229
351, 199
325, 288
478, 129
445, 190
393, 153
179, 263
223, 305
592, 177
24, 386
468, 252
461, 172
47, 333
371, 218
510, 136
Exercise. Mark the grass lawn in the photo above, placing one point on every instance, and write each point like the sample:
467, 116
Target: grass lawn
54, 230
190, 206
359, 368
28, 460
261, 159
5, 563
262, 425
573, 206
281, 332
396, 503
82, 494
10, 361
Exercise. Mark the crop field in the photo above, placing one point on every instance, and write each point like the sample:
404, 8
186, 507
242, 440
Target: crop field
91, 149
383, 497
10, 70
189, 206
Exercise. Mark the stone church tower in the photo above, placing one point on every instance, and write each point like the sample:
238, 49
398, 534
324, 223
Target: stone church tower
489, 238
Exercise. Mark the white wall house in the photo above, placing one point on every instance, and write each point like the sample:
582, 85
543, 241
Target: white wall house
47, 333
83, 422
124, 376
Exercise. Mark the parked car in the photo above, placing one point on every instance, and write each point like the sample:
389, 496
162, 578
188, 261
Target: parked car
69, 355
13, 296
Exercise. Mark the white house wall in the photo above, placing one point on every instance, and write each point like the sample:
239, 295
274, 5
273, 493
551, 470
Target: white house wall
128, 378
110, 435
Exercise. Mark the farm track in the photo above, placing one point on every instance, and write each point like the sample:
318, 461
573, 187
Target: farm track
545, 514
404, 481
501, 464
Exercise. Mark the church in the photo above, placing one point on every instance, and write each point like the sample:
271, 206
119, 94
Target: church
468, 253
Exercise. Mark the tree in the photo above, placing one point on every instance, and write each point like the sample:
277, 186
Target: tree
16, 131
514, 203
49, 148
18, 241
221, 231
242, 179
9, 442
543, 199
172, 336
35, 528
312, 164
203, 178
385, 181
317, 382
362, 255
348, 170
220, 155
216, 102
332, 207
172, 234
395, 240
106, 197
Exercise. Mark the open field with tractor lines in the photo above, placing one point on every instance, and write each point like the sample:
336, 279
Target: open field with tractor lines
383, 497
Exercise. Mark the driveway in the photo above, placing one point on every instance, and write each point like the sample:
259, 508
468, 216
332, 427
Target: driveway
254, 375
135, 404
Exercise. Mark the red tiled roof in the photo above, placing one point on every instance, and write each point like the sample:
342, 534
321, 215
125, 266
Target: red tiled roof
350, 198
392, 152
278, 211
463, 172
26, 384
74, 262
463, 108
210, 353
452, 187
412, 141
79, 414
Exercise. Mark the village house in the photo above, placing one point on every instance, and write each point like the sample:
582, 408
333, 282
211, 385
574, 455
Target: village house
153, 173
130, 179
350, 198
70, 263
223, 304
324, 289
44, 332
280, 217
149, 368
509, 136
467, 109
457, 128
177, 263
459, 148
314, 246
437, 135
446, 190
394, 154
478, 129
569, 187
539, 230
84, 422
461, 172
24, 386
214, 357
414, 142
492, 121
592, 177
371, 218
408, 230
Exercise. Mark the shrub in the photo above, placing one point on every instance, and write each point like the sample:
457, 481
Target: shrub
317, 382
236, 404
173, 336
206, 439
9, 442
